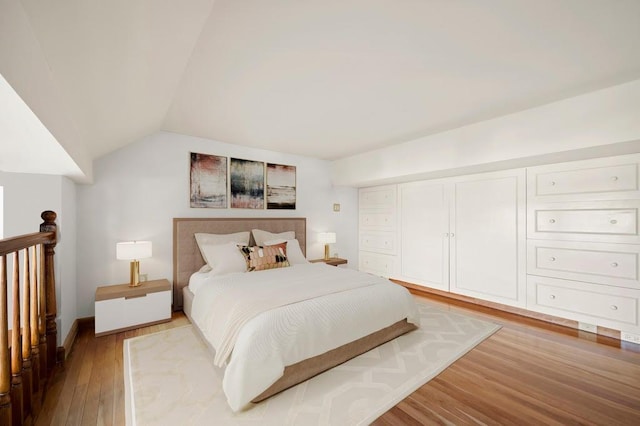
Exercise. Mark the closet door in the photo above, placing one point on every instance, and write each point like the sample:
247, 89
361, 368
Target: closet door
424, 228
488, 252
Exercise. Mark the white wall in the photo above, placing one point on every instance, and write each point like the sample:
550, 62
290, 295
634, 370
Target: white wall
138, 189
600, 123
67, 260
26, 196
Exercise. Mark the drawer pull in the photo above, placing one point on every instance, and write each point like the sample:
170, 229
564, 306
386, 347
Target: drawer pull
613, 221
552, 221
453, 235
614, 265
614, 178
135, 297
552, 259
614, 308
552, 296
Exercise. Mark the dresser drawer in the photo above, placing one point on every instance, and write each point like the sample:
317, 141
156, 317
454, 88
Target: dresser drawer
597, 179
592, 303
610, 264
611, 221
378, 220
377, 264
379, 242
377, 197
601, 221
586, 181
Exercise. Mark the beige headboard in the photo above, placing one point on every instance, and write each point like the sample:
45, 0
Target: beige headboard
186, 255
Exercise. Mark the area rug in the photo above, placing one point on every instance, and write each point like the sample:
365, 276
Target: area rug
170, 378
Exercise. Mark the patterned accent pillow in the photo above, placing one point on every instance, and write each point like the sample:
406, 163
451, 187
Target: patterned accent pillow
259, 258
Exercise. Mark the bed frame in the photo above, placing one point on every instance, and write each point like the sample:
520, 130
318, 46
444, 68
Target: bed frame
187, 260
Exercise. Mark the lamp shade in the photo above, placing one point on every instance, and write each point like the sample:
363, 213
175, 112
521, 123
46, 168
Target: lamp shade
133, 250
327, 237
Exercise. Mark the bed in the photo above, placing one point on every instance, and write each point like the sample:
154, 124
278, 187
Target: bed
290, 341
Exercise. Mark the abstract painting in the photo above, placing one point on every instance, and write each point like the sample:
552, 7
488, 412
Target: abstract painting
247, 184
208, 181
281, 187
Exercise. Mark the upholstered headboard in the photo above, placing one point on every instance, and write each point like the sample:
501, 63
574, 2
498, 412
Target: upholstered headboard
186, 255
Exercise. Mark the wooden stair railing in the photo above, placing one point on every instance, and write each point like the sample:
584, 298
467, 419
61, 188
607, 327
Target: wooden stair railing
28, 349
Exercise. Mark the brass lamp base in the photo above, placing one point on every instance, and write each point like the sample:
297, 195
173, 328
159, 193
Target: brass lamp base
135, 273
326, 252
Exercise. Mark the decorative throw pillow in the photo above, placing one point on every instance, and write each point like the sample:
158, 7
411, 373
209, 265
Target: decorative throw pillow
294, 253
259, 258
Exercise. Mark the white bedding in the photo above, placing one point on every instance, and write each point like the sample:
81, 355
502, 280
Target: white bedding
284, 335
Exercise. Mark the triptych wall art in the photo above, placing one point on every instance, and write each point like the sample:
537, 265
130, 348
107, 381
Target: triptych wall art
251, 184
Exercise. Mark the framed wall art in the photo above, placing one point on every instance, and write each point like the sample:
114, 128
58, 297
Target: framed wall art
281, 187
247, 184
208, 181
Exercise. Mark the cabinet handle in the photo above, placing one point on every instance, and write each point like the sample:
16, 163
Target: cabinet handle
552, 296
453, 235
614, 178
135, 297
614, 264
553, 259
614, 308
552, 221
553, 183
613, 221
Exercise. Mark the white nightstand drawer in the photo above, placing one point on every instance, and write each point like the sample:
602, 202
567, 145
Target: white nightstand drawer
122, 307
592, 303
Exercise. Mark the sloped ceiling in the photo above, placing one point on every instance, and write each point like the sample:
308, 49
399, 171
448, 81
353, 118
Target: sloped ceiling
321, 78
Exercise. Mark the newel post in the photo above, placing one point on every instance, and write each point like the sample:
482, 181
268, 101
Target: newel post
49, 225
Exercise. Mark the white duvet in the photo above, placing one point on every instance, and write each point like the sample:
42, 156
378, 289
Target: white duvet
257, 328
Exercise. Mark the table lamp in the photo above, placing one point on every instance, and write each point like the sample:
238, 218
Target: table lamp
327, 238
134, 250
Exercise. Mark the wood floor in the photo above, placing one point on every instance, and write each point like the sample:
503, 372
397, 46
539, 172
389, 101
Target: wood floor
529, 372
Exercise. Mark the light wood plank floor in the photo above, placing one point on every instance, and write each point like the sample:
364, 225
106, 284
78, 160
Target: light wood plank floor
529, 372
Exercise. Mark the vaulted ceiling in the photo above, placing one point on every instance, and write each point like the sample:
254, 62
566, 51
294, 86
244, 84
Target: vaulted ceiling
322, 78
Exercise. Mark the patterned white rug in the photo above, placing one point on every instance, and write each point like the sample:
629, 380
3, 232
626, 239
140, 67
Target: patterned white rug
170, 378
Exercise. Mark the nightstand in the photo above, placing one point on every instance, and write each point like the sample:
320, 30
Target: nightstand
121, 307
333, 261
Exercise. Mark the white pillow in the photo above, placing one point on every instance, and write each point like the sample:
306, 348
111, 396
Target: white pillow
217, 239
294, 253
261, 236
224, 258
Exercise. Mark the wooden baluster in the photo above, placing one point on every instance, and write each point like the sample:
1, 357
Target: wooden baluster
33, 298
42, 331
49, 225
16, 355
5, 369
27, 377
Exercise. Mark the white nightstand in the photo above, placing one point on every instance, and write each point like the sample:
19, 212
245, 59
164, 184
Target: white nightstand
121, 307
